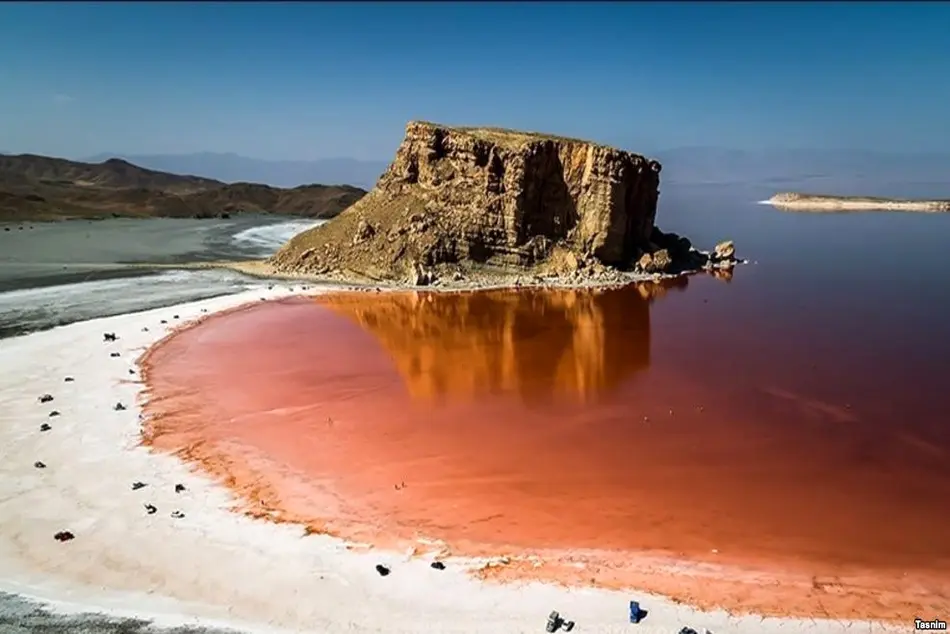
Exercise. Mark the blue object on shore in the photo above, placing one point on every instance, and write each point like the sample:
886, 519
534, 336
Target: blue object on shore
634, 612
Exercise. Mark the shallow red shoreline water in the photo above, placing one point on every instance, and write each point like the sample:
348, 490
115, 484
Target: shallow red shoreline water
609, 436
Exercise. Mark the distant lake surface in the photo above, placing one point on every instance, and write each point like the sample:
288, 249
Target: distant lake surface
793, 415
59, 272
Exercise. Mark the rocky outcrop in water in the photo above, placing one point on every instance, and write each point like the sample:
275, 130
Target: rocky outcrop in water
458, 199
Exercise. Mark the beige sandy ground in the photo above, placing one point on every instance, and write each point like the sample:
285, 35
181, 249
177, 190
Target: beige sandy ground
214, 567
797, 202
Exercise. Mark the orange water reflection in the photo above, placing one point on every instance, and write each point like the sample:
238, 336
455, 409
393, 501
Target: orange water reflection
537, 344
600, 424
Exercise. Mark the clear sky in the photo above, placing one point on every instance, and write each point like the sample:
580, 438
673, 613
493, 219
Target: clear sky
302, 81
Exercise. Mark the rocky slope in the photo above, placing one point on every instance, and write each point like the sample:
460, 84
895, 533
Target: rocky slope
456, 201
44, 188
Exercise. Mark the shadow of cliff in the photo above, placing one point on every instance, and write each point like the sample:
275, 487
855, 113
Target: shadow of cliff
534, 344
550, 209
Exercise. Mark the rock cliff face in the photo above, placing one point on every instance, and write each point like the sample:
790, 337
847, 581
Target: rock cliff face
469, 197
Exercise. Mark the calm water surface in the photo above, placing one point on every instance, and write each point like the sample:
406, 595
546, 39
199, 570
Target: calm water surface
60, 272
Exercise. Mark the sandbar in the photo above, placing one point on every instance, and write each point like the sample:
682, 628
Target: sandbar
818, 203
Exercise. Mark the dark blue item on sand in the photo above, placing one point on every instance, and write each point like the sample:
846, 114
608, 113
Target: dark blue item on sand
634, 612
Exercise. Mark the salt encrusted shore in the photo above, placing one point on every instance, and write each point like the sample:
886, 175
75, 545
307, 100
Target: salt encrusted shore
213, 567
817, 203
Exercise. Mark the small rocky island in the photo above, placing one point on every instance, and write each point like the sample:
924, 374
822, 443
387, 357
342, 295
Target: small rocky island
819, 203
492, 206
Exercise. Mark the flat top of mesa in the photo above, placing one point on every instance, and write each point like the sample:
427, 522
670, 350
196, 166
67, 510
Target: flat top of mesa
502, 136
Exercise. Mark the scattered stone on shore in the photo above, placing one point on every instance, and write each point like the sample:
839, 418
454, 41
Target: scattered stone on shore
438, 565
54, 413
151, 509
69, 379
118, 407
46, 398
382, 570
179, 488
63, 536
109, 336
114, 354
45, 427
39, 464
174, 316
131, 371
144, 328
163, 321
177, 515
138, 485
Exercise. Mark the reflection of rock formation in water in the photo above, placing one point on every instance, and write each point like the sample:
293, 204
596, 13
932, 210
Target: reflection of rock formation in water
533, 343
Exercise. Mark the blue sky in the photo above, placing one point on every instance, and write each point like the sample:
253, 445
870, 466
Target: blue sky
316, 80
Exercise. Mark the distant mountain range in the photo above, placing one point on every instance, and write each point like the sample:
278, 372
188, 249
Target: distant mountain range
856, 172
36, 187
232, 168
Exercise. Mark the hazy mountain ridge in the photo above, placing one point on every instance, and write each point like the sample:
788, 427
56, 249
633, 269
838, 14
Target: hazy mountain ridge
838, 172
231, 168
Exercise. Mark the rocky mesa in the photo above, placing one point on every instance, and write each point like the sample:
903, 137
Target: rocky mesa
459, 201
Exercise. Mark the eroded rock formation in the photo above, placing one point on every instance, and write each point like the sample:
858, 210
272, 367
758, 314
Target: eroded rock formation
464, 198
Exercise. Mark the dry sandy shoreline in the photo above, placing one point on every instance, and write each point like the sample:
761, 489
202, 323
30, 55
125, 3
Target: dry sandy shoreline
213, 567
809, 202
